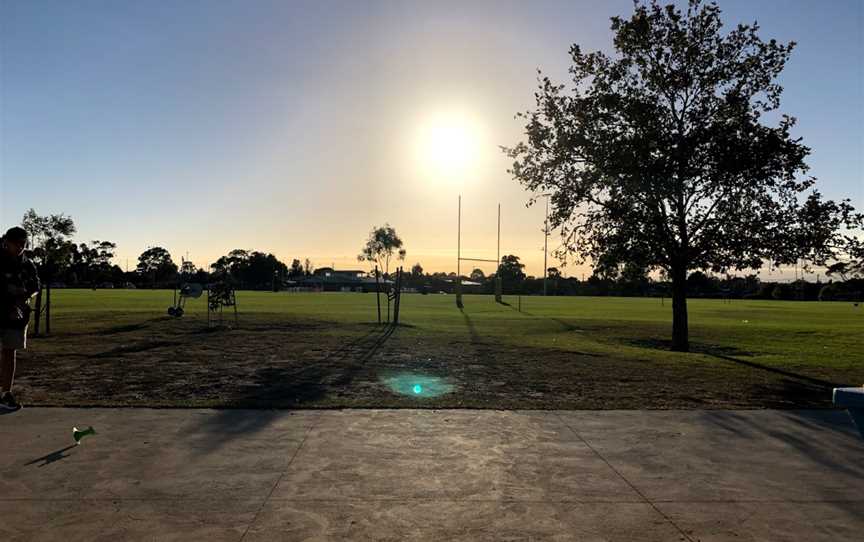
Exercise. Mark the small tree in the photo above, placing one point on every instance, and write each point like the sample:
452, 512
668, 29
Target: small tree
659, 156
417, 270
380, 247
296, 270
188, 269
51, 252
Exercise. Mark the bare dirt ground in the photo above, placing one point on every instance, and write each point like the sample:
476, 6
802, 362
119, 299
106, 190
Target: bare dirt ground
284, 364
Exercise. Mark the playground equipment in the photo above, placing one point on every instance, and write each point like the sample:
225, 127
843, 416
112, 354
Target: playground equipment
220, 294
394, 295
191, 290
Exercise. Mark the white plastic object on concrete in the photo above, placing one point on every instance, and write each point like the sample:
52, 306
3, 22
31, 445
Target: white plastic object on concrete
853, 400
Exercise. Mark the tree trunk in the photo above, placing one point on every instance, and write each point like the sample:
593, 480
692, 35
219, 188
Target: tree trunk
680, 334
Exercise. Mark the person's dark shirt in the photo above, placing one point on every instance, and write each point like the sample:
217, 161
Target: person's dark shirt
15, 272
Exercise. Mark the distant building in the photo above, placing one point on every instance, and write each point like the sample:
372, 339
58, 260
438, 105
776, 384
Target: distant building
341, 280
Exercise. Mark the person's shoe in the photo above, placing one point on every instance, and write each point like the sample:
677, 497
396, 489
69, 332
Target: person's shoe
8, 402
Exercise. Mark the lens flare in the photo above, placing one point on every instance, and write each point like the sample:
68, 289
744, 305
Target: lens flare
419, 385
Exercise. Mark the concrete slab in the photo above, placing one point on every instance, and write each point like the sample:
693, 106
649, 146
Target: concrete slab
420, 520
128, 519
431, 475
729, 455
756, 522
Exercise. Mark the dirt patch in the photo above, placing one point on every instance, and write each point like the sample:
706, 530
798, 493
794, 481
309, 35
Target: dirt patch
280, 363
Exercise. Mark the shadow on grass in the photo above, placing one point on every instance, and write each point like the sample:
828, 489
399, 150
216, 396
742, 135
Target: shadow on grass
134, 348
698, 348
725, 353
472, 329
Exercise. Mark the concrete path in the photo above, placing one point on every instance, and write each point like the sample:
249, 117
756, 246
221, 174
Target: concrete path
431, 475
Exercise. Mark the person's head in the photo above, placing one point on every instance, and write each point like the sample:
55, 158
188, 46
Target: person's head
15, 240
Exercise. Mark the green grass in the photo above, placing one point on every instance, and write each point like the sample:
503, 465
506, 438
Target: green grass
784, 333
119, 348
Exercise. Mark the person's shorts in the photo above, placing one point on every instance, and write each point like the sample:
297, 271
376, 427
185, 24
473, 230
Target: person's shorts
16, 339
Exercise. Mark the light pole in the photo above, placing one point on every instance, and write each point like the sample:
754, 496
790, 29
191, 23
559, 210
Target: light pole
545, 241
459, 256
545, 246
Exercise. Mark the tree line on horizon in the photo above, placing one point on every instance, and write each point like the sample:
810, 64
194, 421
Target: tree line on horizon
64, 263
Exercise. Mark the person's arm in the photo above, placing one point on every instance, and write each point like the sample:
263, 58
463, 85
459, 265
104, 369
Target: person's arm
33, 285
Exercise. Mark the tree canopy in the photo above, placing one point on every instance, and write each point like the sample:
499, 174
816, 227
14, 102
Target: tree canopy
383, 242
663, 156
51, 248
156, 262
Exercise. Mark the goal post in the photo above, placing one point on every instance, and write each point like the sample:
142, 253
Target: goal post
460, 258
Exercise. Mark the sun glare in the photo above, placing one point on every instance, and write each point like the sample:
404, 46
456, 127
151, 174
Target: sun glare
448, 147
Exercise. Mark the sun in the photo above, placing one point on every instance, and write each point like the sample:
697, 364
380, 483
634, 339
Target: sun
448, 146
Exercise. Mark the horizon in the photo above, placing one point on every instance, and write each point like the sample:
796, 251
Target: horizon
295, 129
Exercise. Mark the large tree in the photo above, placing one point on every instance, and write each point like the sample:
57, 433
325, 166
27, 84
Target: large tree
92, 263
380, 247
660, 156
51, 247
510, 272
156, 262
51, 250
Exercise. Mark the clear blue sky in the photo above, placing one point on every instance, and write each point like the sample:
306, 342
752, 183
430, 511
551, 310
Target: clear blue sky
291, 126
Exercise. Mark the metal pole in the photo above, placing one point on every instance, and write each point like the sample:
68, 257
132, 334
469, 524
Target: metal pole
48, 309
378, 293
498, 259
545, 244
459, 255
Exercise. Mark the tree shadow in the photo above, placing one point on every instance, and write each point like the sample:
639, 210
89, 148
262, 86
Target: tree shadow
127, 328
655, 343
133, 349
828, 438
823, 384
289, 387
725, 353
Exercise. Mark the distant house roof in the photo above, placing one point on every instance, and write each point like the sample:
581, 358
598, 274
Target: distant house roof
330, 271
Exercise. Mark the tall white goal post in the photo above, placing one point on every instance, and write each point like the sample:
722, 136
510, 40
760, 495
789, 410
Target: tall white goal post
460, 259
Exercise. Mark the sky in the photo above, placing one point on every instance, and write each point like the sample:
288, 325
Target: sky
294, 127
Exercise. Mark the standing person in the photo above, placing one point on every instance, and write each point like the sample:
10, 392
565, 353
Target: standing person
19, 281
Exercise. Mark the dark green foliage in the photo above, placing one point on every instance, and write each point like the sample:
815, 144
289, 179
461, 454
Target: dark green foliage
254, 270
155, 264
49, 238
380, 247
510, 271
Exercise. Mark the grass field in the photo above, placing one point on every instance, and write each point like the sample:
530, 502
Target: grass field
118, 347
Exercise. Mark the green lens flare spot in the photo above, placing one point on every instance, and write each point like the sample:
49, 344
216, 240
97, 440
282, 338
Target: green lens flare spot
421, 386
